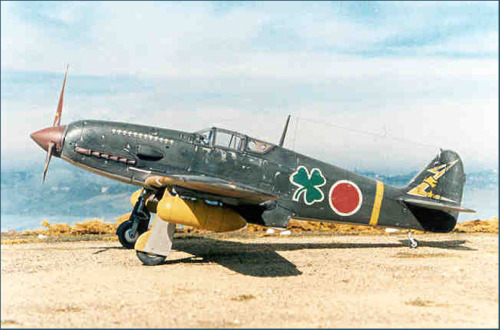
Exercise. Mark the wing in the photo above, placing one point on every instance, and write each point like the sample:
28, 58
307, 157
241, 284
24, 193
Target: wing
211, 186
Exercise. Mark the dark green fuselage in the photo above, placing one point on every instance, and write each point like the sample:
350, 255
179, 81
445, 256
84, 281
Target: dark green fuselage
131, 153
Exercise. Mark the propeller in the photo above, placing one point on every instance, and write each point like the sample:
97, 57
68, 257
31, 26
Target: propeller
50, 138
50, 151
57, 119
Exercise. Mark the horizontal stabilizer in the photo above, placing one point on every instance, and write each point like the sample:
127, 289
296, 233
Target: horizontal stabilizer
437, 206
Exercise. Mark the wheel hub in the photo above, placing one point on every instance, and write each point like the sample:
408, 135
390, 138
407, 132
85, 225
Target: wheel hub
129, 236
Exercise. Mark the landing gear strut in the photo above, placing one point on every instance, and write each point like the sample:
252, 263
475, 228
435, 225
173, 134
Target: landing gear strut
130, 230
413, 241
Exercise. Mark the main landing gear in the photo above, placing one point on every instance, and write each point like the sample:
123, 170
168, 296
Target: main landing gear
155, 246
130, 230
413, 241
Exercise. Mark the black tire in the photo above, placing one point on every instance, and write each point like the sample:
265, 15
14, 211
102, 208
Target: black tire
123, 233
150, 259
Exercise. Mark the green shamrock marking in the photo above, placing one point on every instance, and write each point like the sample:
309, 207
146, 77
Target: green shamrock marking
308, 185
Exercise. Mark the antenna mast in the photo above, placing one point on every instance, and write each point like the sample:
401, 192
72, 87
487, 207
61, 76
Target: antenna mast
282, 140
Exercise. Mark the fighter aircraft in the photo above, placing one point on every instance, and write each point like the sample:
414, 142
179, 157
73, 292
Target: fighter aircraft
220, 180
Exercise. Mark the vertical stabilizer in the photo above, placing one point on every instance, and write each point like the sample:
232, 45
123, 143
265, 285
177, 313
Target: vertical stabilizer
434, 195
442, 180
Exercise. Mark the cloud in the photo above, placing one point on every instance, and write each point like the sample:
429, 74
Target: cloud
158, 38
427, 72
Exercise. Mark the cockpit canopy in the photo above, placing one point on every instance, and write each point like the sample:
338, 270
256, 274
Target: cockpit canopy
223, 138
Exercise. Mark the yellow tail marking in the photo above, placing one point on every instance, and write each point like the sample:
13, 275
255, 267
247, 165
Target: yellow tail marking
379, 194
424, 189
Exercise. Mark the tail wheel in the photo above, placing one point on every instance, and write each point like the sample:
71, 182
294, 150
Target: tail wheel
150, 259
125, 236
413, 241
414, 244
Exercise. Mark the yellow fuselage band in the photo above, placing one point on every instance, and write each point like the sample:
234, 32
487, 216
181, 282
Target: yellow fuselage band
379, 194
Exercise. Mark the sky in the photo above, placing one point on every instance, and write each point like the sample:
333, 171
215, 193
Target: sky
370, 85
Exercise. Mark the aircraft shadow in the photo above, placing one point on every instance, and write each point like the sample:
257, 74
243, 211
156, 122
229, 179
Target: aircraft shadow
105, 249
263, 259
259, 260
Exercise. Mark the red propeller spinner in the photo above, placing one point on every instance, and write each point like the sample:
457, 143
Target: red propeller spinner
51, 138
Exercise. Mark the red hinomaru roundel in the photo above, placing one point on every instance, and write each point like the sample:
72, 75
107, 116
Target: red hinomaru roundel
345, 197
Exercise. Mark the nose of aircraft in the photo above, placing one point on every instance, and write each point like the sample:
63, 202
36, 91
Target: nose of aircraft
47, 135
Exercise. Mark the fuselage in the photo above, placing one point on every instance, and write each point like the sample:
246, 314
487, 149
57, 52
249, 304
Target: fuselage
131, 153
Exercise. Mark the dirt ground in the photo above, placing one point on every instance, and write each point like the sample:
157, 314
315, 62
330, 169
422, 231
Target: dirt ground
296, 281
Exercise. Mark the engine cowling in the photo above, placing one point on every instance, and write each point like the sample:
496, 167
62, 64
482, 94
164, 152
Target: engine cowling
198, 214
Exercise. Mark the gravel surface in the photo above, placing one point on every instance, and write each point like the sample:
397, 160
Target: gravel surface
311, 281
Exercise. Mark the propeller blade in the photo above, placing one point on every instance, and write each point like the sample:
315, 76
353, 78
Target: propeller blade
50, 151
57, 119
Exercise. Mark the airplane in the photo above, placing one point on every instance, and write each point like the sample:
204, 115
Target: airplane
220, 180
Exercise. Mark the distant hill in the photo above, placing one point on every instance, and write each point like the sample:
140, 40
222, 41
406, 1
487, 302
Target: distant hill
71, 191
67, 191
475, 180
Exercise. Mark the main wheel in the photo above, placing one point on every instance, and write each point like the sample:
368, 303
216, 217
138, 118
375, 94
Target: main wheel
150, 259
124, 233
